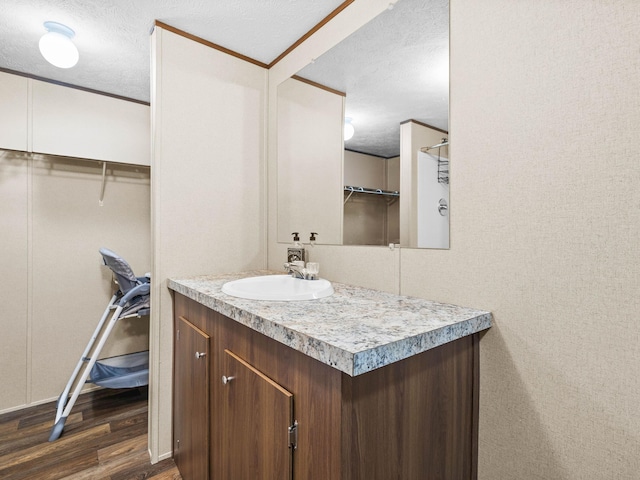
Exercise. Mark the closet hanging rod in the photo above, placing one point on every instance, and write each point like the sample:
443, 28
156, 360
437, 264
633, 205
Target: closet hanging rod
443, 143
370, 191
373, 191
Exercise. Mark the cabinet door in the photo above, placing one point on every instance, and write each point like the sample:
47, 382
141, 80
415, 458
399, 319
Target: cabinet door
191, 401
257, 415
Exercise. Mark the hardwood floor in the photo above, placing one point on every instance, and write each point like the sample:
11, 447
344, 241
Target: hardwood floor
105, 438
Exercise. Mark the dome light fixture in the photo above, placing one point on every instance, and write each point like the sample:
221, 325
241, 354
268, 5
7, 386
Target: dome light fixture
348, 129
56, 45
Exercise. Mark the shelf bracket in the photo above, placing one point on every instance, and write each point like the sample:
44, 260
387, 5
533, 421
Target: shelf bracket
348, 197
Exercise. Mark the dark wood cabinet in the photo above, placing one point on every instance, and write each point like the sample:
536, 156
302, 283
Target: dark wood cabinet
191, 400
257, 416
412, 420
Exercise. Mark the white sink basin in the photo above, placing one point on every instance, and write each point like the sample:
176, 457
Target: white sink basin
279, 288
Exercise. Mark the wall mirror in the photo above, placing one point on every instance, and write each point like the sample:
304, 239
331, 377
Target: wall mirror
389, 181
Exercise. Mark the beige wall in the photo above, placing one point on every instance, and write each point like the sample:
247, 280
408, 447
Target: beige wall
367, 217
14, 115
393, 210
54, 287
309, 161
361, 170
14, 280
531, 240
208, 208
71, 122
544, 231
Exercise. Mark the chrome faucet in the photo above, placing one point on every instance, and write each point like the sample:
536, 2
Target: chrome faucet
296, 271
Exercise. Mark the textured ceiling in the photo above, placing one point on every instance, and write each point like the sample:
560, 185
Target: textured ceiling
393, 69
113, 35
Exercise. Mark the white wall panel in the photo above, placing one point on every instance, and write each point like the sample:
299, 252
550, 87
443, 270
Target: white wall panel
70, 287
413, 136
75, 123
310, 155
14, 248
208, 212
365, 216
433, 223
54, 288
13, 112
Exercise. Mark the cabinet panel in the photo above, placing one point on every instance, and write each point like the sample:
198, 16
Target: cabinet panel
413, 419
75, 123
257, 415
13, 113
316, 387
191, 401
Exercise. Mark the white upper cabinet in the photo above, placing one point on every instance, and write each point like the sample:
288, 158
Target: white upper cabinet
14, 95
75, 123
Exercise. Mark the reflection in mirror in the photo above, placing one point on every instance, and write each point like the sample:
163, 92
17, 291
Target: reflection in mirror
394, 72
309, 162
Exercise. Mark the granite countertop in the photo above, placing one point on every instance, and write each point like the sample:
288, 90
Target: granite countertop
355, 330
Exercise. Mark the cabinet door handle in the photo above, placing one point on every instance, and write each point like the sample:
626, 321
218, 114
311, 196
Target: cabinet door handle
200, 354
226, 379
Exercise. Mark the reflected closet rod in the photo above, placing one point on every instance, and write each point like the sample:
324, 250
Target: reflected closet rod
371, 191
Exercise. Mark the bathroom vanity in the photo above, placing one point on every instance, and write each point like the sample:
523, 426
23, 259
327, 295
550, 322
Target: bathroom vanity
359, 385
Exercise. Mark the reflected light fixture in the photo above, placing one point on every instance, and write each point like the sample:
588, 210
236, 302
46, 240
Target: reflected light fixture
348, 129
56, 45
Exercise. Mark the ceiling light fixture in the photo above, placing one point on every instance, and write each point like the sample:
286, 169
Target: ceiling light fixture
348, 129
56, 45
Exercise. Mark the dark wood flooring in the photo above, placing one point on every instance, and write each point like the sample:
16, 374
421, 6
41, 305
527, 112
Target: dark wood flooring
105, 438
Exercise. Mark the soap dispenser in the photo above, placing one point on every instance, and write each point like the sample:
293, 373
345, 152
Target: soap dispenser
296, 252
296, 240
